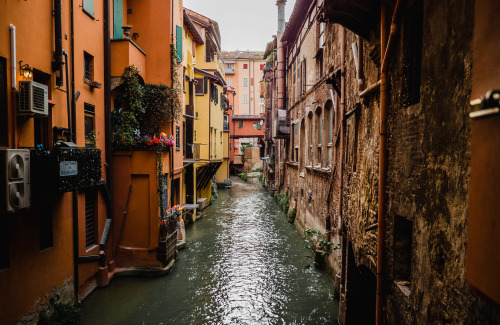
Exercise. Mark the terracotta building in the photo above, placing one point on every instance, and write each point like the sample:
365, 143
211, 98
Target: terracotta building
244, 72
388, 172
54, 116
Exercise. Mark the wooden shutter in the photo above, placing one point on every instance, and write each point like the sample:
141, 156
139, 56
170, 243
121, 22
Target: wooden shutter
88, 7
205, 85
117, 19
178, 42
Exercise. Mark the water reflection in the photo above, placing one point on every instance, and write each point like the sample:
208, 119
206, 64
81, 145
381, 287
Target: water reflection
243, 265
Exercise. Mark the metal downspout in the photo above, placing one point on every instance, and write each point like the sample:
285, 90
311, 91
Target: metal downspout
76, 246
68, 94
107, 133
387, 47
342, 121
172, 150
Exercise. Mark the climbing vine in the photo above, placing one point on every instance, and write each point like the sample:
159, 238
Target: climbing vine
143, 111
161, 182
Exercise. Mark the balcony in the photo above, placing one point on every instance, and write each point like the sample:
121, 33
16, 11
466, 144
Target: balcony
124, 53
193, 151
229, 71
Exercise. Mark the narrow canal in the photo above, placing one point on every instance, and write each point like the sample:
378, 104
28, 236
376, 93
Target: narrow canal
244, 264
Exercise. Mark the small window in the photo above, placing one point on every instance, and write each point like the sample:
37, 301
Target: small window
229, 66
245, 82
90, 219
245, 66
88, 66
200, 86
255, 126
403, 230
177, 138
245, 98
229, 81
90, 134
240, 124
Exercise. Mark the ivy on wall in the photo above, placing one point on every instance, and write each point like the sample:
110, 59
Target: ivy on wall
146, 109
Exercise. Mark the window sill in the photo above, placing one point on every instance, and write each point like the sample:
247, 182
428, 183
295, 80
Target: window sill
293, 164
318, 169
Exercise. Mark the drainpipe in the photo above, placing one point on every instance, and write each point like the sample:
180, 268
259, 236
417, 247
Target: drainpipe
68, 95
387, 48
58, 64
172, 150
73, 98
76, 246
13, 64
107, 133
342, 121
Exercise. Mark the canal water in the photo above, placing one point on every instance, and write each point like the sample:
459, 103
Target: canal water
243, 264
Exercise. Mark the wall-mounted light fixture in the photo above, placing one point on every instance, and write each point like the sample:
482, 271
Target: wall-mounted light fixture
25, 70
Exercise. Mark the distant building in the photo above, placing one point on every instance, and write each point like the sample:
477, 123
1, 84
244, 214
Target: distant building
244, 72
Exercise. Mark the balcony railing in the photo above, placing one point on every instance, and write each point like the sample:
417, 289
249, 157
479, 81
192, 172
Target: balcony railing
229, 71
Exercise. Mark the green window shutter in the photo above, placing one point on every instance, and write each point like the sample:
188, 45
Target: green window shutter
178, 42
88, 7
240, 124
117, 19
205, 82
258, 126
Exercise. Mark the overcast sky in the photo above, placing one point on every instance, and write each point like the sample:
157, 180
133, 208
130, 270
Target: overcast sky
244, 24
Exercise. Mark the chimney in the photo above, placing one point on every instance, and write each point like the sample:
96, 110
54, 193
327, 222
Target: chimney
281, 15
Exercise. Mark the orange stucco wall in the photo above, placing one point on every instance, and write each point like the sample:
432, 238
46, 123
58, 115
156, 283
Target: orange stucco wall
33, 273
247, 131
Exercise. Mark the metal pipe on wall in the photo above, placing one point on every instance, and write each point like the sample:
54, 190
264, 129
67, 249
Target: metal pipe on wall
342, 121
58, 55
68, 94
387, 47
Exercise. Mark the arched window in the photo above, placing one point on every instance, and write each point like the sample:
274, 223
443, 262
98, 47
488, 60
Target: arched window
310, 141
329, 130
302, 143
319, 135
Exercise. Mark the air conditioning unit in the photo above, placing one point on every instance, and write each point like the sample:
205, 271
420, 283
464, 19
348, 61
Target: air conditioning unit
281, 125
33, 98
14, 179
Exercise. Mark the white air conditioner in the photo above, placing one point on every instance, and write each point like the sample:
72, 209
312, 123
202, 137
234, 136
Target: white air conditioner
14, 179
33, 98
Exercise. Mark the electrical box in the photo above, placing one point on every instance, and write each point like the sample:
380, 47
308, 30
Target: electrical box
14, 179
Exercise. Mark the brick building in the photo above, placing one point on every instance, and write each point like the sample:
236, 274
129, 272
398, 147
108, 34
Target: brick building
388, 171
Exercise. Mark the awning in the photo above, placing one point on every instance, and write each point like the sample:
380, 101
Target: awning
205, 173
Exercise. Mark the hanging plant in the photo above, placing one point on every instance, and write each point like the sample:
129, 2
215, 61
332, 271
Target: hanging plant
146, 109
